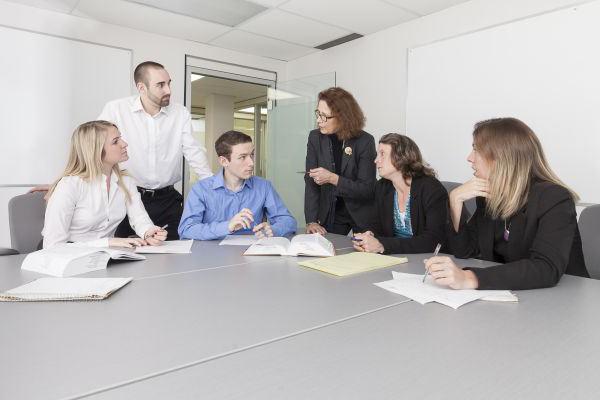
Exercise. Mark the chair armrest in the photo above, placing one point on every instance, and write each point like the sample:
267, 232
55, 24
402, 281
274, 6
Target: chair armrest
4, 251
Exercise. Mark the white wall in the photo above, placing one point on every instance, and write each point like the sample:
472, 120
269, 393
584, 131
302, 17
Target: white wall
374, 68
170, 52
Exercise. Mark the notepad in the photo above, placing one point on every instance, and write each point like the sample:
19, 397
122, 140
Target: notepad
73, 259
413, 287
65, 289
313, 245
353, 263
168, 247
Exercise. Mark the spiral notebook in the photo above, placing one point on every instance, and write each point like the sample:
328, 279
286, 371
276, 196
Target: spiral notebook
65, 289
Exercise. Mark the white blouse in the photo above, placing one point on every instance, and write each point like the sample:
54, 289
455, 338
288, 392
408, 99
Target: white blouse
82, 211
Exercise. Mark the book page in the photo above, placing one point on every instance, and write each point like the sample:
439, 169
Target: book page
168, 247
311, 245
353, 263
46, 289
270, 246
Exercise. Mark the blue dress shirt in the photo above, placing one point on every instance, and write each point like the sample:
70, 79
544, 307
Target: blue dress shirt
210, 205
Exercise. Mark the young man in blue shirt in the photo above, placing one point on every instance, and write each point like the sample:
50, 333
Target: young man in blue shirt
233, 200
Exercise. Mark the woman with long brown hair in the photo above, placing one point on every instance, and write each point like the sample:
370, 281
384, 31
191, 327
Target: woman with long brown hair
525, 216
411, 204
93, 195
340, 174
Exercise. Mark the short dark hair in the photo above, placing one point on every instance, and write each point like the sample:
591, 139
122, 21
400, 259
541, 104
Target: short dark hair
406, 156
346, 110
229, 139
140, 73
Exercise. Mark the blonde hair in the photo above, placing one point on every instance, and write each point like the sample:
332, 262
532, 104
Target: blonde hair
516, 158
85, 156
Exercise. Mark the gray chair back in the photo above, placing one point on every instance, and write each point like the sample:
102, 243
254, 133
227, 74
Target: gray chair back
470, 205
26, 221
589, 228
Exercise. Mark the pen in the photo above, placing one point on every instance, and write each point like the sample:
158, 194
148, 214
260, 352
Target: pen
164, 227
355, 239
435, 253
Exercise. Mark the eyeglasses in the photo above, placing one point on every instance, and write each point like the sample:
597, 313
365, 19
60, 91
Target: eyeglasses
322, 116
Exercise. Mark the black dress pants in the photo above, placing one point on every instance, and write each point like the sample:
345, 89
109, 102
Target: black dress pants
164, 206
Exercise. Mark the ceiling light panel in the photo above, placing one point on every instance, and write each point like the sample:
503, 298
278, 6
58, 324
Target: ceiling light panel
149, 19
263, 46
225, 12
425, 7
364, 17
64, 6
292, 28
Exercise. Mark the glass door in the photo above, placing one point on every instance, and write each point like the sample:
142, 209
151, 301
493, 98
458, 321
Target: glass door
290, 118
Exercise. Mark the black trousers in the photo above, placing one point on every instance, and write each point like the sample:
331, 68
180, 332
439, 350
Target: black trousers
343, 222
164, 207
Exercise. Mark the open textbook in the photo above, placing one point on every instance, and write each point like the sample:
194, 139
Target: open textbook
61, 289
413, 287
301, 245
72, 259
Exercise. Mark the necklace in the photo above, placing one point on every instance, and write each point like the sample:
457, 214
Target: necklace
506, 231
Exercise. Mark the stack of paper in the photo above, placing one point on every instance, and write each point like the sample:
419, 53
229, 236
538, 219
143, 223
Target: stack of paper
413, 287
168, 247
55, 289
353, 263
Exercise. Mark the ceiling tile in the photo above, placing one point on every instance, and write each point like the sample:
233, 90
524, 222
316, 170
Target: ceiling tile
149, 19
260, 45
426, 7
64, 6
364, 17
225, 12
292, 28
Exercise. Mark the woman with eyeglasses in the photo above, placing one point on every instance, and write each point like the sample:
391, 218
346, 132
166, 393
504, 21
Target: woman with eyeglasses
411, 204
525, 217
340, 173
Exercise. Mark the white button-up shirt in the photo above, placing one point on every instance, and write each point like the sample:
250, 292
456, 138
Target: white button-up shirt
86, 212
156, 142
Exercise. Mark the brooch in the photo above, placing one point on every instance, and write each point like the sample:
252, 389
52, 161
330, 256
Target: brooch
348, 150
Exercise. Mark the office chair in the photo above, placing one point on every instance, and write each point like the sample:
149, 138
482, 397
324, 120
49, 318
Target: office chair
26, 221
589, 228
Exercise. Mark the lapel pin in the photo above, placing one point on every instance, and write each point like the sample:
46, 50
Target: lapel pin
348, 150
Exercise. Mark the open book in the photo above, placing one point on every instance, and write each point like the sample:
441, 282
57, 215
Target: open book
53, 289
71, 259
301, 245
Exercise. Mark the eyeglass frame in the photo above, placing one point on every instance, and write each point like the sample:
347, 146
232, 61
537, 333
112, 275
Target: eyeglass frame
322, 116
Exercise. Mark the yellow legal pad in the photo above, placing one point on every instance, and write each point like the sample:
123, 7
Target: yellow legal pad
352, 263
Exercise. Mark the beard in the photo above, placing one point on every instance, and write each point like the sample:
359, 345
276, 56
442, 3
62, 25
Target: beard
160, 101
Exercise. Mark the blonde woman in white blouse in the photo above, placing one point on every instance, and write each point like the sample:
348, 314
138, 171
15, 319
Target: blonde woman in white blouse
93, 195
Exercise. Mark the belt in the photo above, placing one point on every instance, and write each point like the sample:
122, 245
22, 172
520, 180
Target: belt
155, 192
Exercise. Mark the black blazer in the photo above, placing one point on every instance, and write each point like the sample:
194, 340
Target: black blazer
428, 216
544, 242
356, 183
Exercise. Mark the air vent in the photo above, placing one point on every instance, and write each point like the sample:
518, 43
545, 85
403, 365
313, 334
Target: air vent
339, 41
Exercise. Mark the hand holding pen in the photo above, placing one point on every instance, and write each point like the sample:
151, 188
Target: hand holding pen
155, 236
435, 253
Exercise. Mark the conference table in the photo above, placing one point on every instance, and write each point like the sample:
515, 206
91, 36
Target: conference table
215, 324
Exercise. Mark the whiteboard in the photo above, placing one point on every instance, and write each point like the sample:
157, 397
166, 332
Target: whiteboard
544, 70
51, 85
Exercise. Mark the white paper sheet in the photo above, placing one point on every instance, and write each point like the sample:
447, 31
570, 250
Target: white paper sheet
413, 287
238, 240
168, 247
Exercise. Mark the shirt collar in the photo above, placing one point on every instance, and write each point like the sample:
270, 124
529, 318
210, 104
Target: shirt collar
219, 181
137, 106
